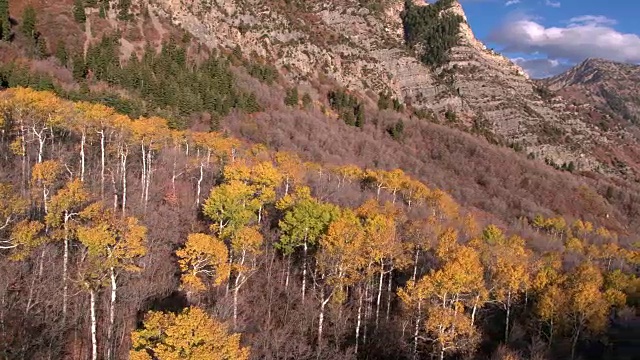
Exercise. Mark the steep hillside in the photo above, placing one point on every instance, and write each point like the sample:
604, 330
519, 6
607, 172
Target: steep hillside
297, 179
360, 45
608, 85
364, 46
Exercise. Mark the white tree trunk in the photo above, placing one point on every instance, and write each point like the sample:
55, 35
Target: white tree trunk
416, 333
94, 340
415, 265
379, 293
82, 156
288, 275
358, 321
143, 174
102, 163
65, 270
199, 188
124, 180
321, 319
236, 290
112, 314
389, 285
506, 327
304, 271
148, 183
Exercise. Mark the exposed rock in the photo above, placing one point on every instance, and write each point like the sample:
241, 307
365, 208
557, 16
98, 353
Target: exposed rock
363, 50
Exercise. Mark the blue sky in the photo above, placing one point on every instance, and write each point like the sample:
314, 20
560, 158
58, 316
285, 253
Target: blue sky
546, 37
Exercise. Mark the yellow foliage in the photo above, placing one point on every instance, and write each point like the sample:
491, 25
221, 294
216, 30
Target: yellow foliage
203, 255
191, 334
26, 236
46, 172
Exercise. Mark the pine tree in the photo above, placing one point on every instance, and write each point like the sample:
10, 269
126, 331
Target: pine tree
78, 11
61, 53
291, 98
29, 22
5, 24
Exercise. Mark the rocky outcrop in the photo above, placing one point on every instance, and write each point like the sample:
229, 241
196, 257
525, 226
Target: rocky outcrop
361, 48
609, 85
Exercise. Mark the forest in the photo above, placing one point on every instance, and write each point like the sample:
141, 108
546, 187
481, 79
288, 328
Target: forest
431, 31
125, 238
129, 230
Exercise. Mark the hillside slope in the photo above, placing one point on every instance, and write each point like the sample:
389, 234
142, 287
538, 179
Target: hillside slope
361, 47
609, 85
350, 36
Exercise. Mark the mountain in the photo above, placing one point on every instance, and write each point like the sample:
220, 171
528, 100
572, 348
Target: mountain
280, 179
360, 45
609, 85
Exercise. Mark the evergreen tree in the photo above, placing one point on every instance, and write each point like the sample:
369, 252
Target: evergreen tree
124, 7
291, 98
306, 100
61, 53
78, 11
29, 22
79, 67
41, 47
5, 24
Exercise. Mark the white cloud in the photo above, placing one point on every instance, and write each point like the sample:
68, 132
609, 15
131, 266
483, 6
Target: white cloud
541, 68
512, 2
582, 37
555, 4
591, 20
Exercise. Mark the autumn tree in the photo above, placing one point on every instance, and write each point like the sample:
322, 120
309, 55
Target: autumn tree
203, 256
151, 134
305, 220
384, 248
587, 306
45, 174
190, 334
246, 245
66, 205
339, 262
11, 207
440, 299
291, 168
507, 262
113, 245
231, 206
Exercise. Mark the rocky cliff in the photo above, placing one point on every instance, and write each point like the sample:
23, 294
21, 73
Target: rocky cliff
360, 45
610, 86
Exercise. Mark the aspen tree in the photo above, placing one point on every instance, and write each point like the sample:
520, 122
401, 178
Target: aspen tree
305, 221
507, 262
202, 256
45, 174
246, 245
339, 262
151, 133
113, 245
66, 205
190, 334
291, 168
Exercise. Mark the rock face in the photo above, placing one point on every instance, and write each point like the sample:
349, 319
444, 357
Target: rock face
610, 86
362, 48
